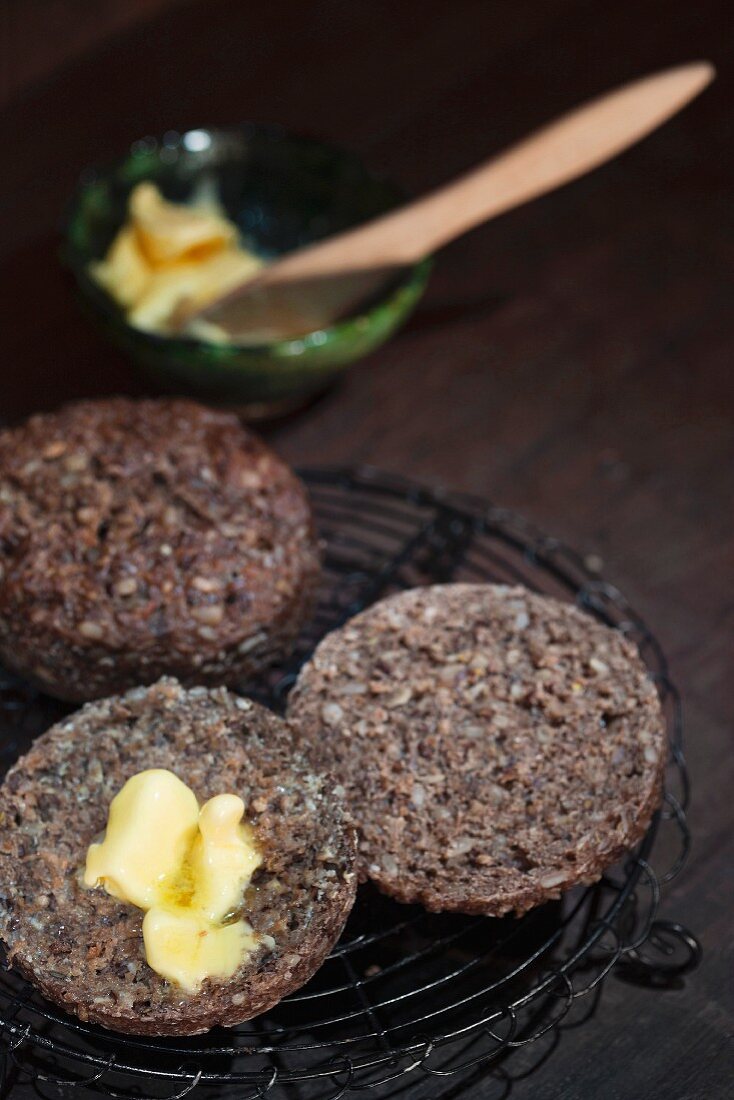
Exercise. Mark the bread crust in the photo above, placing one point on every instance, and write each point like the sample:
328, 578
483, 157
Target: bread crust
146, 538
496, 747
84, 949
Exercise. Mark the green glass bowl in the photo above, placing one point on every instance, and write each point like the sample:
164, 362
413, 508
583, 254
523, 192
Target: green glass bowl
282, 192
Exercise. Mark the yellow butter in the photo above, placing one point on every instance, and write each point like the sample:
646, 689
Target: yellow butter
170, 254
175, 231
185, 948
188, 867
193, 282
151, 826
124, 273
223, 856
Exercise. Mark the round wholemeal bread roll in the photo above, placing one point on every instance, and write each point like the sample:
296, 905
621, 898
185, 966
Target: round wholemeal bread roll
143, 538
496, 747
83, 948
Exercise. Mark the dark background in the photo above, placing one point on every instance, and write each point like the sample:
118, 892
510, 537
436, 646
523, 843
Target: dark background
573, 360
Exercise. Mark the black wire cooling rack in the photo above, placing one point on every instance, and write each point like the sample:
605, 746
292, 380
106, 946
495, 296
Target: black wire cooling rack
407, 999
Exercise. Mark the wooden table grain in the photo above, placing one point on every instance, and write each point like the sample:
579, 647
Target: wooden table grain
572, 360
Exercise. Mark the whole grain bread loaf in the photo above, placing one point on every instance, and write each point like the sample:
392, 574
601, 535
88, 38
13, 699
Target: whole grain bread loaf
496, 747
143, 538
84, 949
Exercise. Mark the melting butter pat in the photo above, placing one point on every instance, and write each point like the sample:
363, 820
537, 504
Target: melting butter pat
188, 867
222, 857
168, 255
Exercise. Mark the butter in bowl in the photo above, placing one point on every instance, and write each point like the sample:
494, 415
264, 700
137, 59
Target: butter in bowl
166, 253
185, 217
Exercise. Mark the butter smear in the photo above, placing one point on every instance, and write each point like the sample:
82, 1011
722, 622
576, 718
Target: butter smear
187, 867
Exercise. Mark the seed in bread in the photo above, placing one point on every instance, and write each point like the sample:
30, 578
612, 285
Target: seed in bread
496, 747
143, 538
83, 948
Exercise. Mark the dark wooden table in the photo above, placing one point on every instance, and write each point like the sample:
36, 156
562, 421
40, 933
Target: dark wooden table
572, 360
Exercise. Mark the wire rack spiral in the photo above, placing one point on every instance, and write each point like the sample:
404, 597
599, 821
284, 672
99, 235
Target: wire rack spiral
406, 996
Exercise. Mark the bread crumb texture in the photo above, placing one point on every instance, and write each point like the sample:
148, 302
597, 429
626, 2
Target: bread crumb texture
83, 948
496, 747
